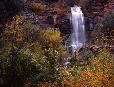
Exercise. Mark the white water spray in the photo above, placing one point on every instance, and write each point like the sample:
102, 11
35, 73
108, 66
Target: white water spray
77, 38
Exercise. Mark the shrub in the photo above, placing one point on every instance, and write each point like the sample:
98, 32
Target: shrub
51, 40
37, 6
100, 72
108, 22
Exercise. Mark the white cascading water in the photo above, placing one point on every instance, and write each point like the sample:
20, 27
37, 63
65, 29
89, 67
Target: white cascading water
77, 38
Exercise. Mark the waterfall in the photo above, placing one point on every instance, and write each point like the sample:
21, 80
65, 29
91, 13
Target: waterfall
77, 37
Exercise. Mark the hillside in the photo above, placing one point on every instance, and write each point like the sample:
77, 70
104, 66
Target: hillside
33, 43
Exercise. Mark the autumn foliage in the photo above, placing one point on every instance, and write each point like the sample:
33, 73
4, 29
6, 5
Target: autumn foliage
35, 56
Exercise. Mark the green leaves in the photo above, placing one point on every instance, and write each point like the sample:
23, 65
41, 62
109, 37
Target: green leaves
29, 25
108, 21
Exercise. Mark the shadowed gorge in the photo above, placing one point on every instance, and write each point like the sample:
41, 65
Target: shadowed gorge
9, 8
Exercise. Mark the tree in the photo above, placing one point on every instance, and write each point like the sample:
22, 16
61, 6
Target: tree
23, 55
52, 42
108, 22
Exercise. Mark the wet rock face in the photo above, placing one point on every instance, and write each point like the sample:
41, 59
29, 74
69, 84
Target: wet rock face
71, 3
50, 1
94, 13
49, 20
65, 27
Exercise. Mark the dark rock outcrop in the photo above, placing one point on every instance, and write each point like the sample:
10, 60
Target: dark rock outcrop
71, 3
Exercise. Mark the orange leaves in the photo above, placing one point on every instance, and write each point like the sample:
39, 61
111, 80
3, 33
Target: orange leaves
27, 83
86, 73
66, 78
18, 19
46, 84
91, 79
38, 6
98, 74
14, 30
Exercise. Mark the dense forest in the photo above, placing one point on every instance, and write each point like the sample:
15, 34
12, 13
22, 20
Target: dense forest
33, 34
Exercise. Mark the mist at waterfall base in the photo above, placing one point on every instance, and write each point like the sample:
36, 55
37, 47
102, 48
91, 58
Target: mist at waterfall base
77, 38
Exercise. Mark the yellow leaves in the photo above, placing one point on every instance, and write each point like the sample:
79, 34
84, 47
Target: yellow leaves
50, 38
29, 25
103, 62
51, 35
